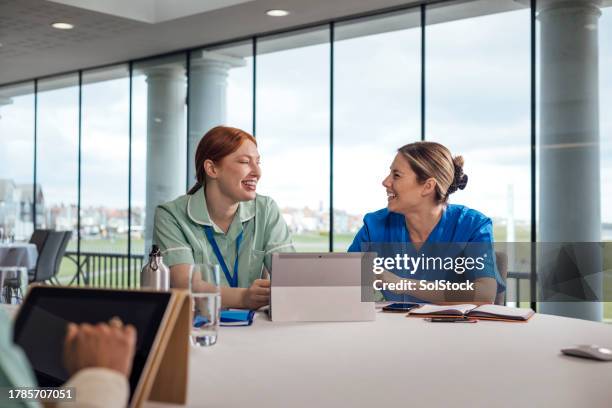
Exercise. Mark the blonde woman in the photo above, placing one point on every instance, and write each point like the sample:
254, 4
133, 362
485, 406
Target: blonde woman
422, 177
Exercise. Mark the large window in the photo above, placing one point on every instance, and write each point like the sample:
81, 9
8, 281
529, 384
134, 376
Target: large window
310, 103
139, 162
220, 93
57, 160
372, 120
292, 124
478, 105
58, 153
104, 169
16, 160
104, 156
605, 86
239, 83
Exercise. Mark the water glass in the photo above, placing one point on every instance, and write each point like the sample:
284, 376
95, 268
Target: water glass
206, 302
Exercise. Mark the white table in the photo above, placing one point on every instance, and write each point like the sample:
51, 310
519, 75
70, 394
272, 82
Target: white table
17, 258
398, 361
22, 254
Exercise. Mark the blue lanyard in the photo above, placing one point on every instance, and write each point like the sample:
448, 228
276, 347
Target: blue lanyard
233, 281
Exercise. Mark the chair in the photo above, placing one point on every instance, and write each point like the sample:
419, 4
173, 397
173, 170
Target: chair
47, 265
60, 256
501, 259
38, 238
11, 275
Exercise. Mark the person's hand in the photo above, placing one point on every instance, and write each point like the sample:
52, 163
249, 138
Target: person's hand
257, 295
103, 345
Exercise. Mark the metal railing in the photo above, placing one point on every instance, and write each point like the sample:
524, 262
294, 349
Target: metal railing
98, 269
514, 295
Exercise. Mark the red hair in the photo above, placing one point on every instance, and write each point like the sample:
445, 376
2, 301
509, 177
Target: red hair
217, 143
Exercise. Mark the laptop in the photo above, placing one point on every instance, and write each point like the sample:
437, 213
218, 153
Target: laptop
40, 330
318, 287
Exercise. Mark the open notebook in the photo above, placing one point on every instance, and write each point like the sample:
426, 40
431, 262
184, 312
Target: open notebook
486, 312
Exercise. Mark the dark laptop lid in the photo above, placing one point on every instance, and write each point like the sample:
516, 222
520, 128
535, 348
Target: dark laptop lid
40, 326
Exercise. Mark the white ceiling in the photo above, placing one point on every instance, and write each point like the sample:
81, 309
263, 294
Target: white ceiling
151, 11
32, 48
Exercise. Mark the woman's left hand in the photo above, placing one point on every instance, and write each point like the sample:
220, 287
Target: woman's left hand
257, 295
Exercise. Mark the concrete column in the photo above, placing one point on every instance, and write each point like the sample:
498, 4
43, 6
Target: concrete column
208, 100
4, 100
166, 155
568, 139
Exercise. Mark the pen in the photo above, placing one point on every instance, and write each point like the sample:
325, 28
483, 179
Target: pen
450, 320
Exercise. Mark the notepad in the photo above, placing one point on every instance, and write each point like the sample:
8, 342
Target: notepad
485, 312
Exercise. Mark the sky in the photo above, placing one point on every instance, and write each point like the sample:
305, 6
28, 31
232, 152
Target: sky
477, 103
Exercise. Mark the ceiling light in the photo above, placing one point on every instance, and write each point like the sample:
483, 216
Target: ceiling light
277, 13
62, 26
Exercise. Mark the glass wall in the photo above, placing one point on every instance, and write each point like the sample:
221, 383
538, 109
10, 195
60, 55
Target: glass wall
605, 87
57, 159
292, 123
57, 154
104, 168
605, 105
239, 84
372, 120
220, 92
16, 161
477, 102
104, 160
139, 162
478, 105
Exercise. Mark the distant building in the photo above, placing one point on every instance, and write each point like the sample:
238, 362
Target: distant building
606, 231
304, 220
16, 208
26, 201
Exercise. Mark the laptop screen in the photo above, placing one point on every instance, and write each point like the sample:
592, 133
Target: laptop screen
317, 269
40, 327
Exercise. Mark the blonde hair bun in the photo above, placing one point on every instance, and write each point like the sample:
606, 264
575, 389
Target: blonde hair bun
434, 160
460, 179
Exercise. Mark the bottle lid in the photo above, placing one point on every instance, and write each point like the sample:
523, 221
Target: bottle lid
155, 251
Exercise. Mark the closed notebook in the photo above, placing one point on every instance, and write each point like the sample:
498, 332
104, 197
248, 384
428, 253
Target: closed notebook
485, 312
237, 317
232, 317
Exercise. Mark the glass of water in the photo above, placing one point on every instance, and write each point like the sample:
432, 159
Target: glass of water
206, 303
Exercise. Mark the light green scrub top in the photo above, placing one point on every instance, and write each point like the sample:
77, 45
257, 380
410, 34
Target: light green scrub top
15, 370
179, 232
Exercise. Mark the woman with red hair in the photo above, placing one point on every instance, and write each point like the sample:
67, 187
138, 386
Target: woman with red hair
222, 220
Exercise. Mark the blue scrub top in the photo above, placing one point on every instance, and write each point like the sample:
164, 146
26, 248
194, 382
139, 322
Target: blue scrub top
458, 224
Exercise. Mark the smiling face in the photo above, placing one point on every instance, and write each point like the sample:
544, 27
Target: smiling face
237, 174
404, 191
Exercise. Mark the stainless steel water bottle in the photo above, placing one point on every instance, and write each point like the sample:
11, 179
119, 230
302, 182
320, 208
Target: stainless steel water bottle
155, 275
